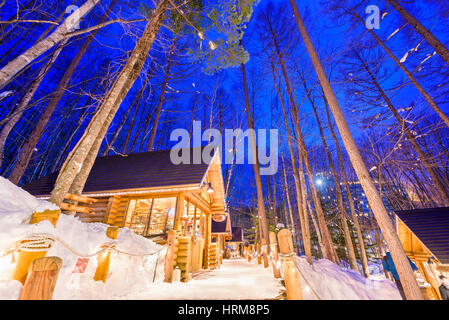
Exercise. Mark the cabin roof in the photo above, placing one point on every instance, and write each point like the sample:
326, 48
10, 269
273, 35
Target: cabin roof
133, 171
431, 226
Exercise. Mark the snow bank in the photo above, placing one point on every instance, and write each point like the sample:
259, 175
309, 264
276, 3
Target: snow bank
127, 272
10, 289
330, 282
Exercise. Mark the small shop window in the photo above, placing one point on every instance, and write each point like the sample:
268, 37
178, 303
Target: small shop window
148, 217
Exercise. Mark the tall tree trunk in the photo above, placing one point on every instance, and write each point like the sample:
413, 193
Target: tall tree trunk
29, 94
289, 204
161, 99
76, 162
35, 135
72, 134
410, 137
400, 259
338, 192
327, 240
358, 229
316, 227
412, 79
426, 34
23, 60
299, 198
257, 177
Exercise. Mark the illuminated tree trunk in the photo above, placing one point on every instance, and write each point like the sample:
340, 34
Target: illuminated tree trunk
29, 94
161, 100
257, 177
302, 216
410, 137
358, 229
75, 163
287, 195
412, 79
400, 259
338, 192
36, 133
426, 34
23, 60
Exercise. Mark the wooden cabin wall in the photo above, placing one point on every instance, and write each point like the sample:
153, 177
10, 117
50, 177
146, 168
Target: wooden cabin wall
109, 210
412, 246
197, 248
98, 208
116, 211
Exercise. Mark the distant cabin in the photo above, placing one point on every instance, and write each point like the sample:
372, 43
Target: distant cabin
149, 194
424, 234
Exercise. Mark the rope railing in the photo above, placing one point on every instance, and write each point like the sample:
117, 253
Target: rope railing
43, 242
292, 255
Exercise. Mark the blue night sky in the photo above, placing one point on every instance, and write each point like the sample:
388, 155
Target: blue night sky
331, 34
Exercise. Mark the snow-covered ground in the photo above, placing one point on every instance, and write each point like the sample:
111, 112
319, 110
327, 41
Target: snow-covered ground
235, 280
141, 277
127, 273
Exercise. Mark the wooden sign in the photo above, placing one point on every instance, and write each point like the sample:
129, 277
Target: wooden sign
219, 217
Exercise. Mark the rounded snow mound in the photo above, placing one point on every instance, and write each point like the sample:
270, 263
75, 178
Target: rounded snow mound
136, 268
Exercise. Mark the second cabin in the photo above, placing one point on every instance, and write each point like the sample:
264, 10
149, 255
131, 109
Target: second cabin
150, 195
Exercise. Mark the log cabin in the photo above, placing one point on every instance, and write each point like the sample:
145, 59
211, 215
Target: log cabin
150, 195
424, 234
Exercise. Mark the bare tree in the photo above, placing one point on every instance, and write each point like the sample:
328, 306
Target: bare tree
400, 259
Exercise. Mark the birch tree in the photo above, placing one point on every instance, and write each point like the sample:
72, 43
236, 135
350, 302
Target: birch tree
439, 47
17, 64
87, 148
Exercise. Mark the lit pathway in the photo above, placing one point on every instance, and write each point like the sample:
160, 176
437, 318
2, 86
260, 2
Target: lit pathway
236, 279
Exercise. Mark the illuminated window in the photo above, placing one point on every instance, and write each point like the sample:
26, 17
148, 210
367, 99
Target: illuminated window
148, 217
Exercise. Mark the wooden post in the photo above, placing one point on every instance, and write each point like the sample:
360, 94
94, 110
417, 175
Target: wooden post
207, 239
264, 254
259, 256
275, 255
179, 211
104, 258
25, 258
42, 278
184, 256
169, 256
291, 274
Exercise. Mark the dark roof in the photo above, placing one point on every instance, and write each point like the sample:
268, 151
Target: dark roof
237, 234
431, 226
134, 171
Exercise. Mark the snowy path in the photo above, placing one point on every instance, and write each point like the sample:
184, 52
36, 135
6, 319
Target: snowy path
236, 279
